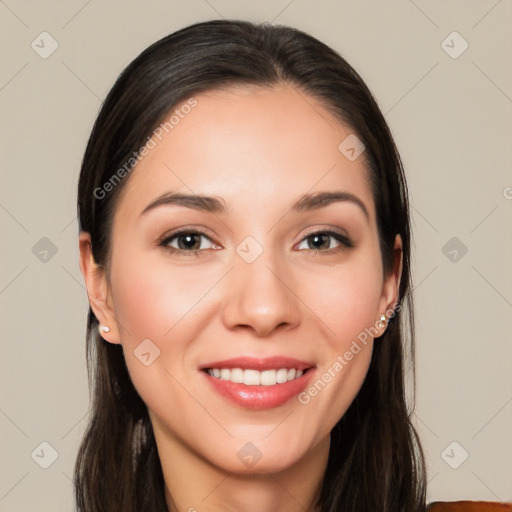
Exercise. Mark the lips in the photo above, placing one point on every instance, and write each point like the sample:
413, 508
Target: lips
256, 396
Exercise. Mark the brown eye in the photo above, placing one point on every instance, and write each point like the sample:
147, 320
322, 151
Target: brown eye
321, 241
186, 241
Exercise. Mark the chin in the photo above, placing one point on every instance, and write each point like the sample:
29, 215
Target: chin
274, 464
258, 457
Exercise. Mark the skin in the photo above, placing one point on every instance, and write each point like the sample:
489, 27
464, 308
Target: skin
259, 150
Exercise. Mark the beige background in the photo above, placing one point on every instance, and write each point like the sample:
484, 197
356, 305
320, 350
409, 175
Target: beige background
452, 121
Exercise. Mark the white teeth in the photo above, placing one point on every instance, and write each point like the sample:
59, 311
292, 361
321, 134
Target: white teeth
237, 375
268, 377
252, 378
255, 377
282, 375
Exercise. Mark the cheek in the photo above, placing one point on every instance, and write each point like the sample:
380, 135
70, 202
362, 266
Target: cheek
154, 307
153, 297
346, 299
159, 307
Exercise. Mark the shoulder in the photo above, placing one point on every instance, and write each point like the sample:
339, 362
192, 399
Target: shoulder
469, 506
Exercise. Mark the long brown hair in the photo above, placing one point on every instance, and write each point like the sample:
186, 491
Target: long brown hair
375, 461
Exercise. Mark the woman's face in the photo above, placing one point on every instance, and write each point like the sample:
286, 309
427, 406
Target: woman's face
272, 289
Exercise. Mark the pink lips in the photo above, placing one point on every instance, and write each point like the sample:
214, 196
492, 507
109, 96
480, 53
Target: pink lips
259, 397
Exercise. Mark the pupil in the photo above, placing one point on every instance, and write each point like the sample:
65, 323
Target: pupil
316, 238
189, 243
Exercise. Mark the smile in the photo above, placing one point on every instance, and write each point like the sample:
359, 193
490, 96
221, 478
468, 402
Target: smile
253, 383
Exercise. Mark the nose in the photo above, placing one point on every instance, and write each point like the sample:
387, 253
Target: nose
260, 296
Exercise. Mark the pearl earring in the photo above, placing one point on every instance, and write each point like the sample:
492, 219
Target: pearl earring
382, 321
104, 328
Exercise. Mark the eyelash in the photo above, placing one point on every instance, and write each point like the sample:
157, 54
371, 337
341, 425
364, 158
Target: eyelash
345, 241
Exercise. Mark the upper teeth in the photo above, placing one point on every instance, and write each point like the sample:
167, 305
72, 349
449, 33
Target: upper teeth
254, 377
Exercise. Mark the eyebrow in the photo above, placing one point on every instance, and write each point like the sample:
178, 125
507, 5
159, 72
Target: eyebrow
307, 202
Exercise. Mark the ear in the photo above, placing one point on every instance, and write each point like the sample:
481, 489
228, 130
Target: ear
98, 290
391, 286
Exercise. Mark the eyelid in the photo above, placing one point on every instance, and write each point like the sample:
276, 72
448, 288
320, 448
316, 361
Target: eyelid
188, 229
334, 229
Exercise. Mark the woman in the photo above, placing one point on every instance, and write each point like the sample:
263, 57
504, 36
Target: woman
245, 242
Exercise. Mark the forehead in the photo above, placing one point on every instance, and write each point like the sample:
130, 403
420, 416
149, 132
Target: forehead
251, 146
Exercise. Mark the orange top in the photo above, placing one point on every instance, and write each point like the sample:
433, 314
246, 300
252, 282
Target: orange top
469, 506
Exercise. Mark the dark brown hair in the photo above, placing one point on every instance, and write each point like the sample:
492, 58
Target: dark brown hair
375, 460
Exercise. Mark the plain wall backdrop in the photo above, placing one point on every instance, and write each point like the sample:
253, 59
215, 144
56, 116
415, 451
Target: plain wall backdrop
442, 75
